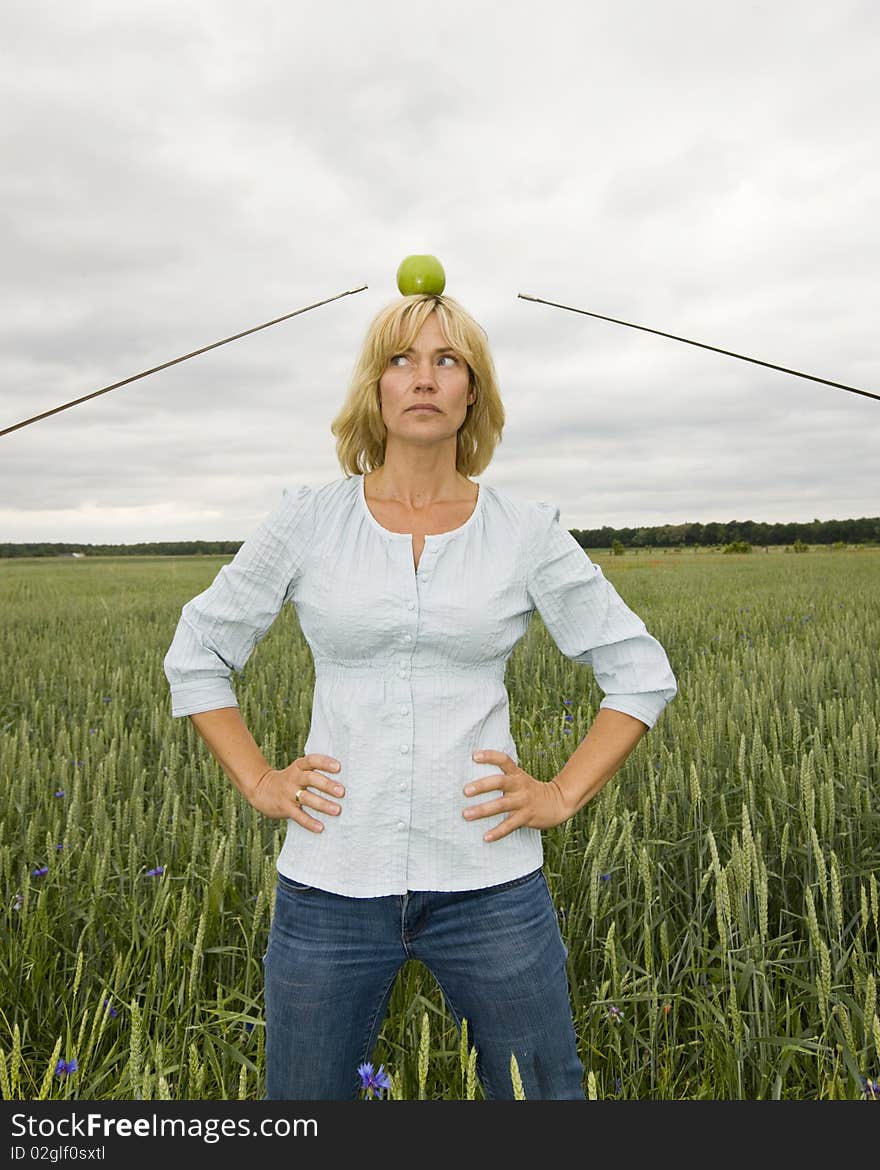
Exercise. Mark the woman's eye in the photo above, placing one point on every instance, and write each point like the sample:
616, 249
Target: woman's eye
445, 359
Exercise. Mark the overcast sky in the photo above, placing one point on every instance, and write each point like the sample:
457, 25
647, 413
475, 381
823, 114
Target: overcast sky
175, 172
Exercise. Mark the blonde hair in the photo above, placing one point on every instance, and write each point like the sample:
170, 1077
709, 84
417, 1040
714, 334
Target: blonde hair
359, 430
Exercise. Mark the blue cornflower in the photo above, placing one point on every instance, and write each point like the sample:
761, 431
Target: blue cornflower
249, 1027
870, 1089
157, 872
65, 1067
60, 846
41, 871
604, 877
111, 1010
106, 698
568, 702
372, 1083
615, 1014
618, 1086
59, 791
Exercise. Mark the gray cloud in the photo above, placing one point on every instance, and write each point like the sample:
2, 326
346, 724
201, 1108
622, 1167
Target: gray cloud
170, 179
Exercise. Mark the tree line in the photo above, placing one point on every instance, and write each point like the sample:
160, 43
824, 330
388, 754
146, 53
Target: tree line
158, 548
865, 530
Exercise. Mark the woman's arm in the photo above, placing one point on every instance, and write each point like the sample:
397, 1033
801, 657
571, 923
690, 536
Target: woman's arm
233, 747
271, 792
543, 805
218, 629
591, 624
600, 754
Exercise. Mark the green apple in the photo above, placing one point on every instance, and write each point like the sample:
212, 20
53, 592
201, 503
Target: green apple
421, 274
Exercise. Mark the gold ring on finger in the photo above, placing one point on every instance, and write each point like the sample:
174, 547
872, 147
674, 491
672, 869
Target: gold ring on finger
297, 795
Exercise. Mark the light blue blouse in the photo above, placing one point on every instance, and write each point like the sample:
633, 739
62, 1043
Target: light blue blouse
409, 671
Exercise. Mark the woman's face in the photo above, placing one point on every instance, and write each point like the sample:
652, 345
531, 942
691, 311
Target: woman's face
429, 374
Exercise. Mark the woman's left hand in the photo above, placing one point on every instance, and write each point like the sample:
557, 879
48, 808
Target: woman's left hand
528, 802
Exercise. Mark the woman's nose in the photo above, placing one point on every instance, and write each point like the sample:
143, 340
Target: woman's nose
425, 372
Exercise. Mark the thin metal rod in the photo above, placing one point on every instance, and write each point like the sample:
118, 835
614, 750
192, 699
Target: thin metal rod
702, 345
165, 365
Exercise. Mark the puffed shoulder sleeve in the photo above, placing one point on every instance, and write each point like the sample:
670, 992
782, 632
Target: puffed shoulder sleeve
590, 623
219, 628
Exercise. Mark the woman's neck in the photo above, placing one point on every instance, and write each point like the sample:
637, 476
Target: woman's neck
416, 486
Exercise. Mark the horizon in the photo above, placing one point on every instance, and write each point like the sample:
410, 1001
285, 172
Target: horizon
574, 528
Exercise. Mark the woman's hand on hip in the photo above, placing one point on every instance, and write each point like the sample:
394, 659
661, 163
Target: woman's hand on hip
275, 794
528, 802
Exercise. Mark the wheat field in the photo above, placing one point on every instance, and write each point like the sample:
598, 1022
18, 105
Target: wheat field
719, 898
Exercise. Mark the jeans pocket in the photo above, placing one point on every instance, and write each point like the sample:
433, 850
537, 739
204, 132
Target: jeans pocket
519, 881
289, 886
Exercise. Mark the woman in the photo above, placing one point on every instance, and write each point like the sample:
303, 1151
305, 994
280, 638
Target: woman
412, 832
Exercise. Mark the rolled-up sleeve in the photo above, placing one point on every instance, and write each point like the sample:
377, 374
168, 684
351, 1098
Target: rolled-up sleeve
218, 629
590, 623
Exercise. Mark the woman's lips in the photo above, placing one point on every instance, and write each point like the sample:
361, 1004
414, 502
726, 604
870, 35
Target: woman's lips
431, 408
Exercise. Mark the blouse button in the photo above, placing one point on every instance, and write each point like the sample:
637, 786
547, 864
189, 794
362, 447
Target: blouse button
400, 825
404, 747
410, 605
407, 637
402, 672
404, 710
402, 786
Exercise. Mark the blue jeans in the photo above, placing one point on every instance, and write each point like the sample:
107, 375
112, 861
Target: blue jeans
496, 953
